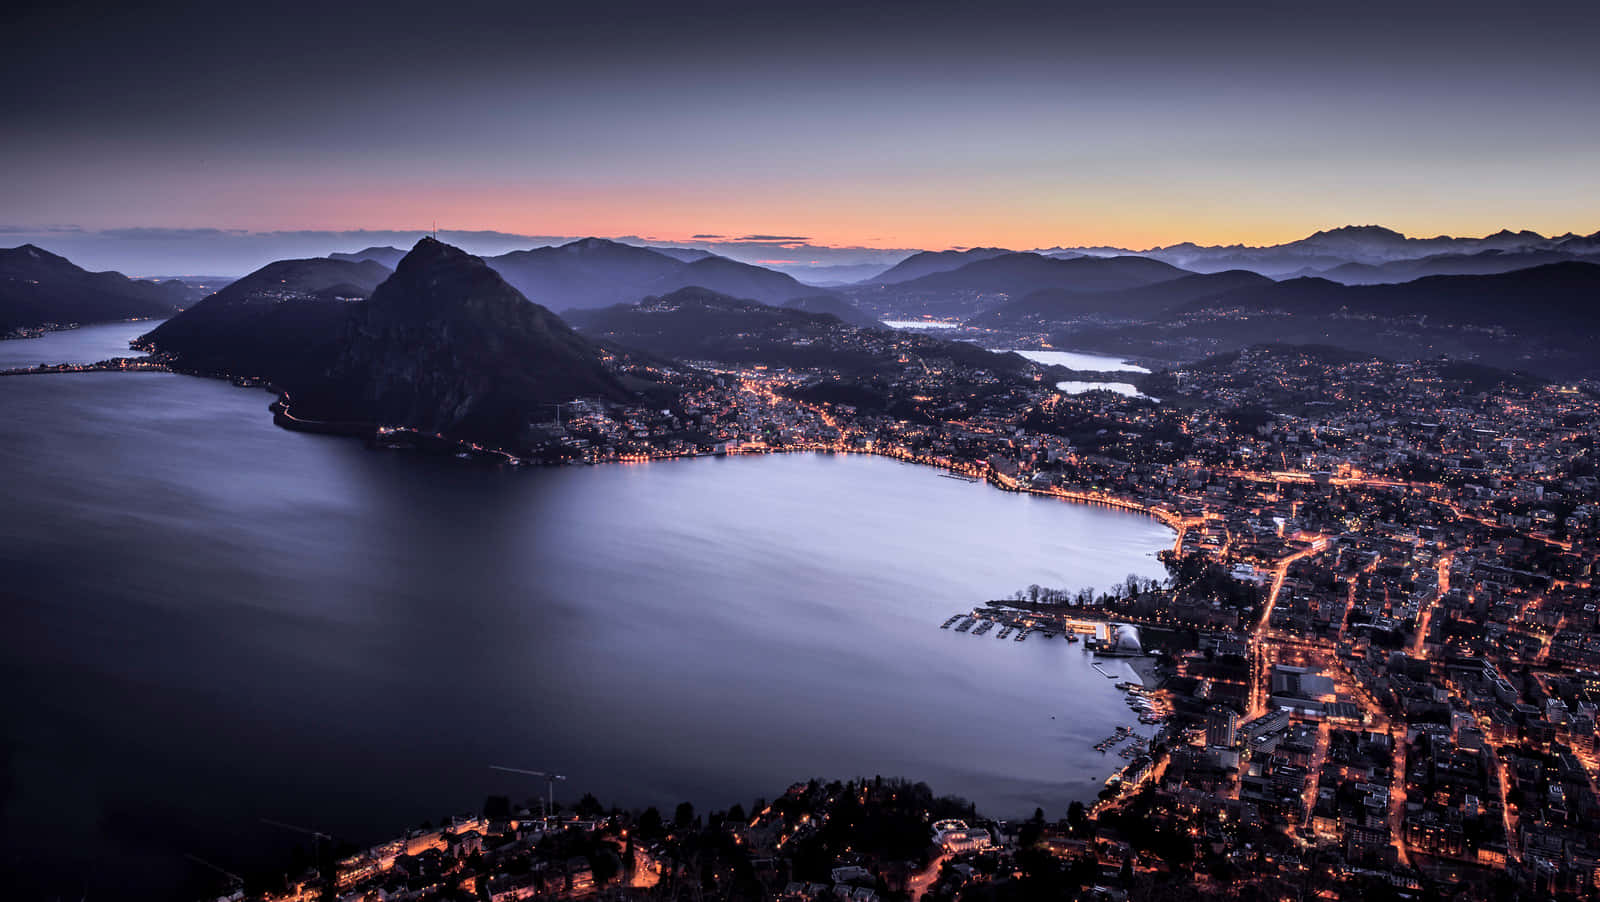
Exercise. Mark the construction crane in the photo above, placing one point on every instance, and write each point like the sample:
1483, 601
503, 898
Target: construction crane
550, 778
234, 880
317, 836
561, 405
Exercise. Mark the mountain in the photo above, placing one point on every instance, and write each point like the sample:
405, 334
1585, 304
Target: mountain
276, 321
590, 272
446, 345
1543, 320
442, 344
928, 262
1021, 274
834, 305
388, 256
698, 324
594, 272
1366, 245
38, 287
1055, 306
1559, 300
682, 254
1481, 263
832, 275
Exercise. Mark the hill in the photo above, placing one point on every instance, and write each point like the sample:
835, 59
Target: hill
38, 287
1481, 263
835, 306
928, 262
594, 272
1055, 306
277, 321
1558, 299
698, 324
1543, 320
388, 256
1022, 274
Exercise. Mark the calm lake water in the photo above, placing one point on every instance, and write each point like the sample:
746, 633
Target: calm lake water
85, 344
1080, 361
207, 621
915, 324
1072, 387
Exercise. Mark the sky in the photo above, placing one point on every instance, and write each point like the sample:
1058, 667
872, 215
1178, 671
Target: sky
845, 127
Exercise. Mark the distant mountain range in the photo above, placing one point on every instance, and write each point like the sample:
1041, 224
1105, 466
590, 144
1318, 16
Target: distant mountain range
1020, 274
388, 256
596, 272
38, 287
928, 262
1059, 305
1543, 320
996, 279
834, 305
1554, 300
1380, 254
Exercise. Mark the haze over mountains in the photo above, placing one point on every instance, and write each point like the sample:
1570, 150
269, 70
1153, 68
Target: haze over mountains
1370, 246
36, 288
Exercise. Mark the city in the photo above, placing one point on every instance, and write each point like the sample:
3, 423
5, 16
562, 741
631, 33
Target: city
1377, 652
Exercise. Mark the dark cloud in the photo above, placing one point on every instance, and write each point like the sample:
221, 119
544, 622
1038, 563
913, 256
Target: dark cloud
155, 234
708, 236
784, 238
39, 230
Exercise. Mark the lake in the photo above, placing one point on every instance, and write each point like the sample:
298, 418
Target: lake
915, 324
1126, 389
208, 621
85, 344
1080, 361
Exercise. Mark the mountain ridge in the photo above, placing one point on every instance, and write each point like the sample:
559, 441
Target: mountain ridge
38, 287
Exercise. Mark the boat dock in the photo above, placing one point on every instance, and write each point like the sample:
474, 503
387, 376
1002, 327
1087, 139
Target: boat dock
1014, 625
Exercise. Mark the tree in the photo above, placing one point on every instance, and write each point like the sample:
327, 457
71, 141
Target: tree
1076, 816
736, 813
684, 815
650, 822
589, 807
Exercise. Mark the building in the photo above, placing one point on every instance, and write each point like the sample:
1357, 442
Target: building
956, 836
1222, 727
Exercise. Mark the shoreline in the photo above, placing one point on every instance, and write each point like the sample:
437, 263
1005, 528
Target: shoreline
40, 331
1145, 666
1092, 774
284, 418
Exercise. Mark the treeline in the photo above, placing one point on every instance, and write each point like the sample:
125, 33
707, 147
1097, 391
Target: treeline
1133, 587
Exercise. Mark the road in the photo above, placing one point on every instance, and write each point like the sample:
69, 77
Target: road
919, 883
1261, 672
